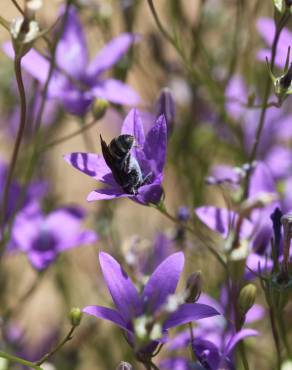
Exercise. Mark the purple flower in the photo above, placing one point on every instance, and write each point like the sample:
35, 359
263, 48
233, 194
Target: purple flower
150, 153
35, 191
76, 81
213, 358
165, 105
43, 237
266, 28
152, 303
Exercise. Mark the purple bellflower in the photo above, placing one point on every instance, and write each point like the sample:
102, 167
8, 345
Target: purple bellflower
152, 306
149, 152
77, 82
266, 28
43, 237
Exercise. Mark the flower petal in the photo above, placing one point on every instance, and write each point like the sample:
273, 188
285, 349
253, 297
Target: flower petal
106, 314
106, 194
189, 312
110, 54
116, 92
155, 145
244, 333
71, 54
133, 125
92, 165
163, 282
120, 286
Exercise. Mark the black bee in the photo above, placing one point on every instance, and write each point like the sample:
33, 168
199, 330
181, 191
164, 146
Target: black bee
125, 168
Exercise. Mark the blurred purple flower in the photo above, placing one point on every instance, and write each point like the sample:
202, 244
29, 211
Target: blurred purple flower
165, 105
266, 28
150, 153
43, 237
152, 303
35, 191
76, 82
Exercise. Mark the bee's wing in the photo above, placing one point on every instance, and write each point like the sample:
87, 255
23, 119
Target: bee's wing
106, 153
110, 161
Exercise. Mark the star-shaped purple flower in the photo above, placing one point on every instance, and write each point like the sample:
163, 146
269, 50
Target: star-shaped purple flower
43, 237
150, 153
151, 303
77, 82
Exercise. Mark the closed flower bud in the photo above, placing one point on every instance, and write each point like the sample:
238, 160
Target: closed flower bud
75, 316
165, 105
99, 108
193, 287
247, 297
124, 366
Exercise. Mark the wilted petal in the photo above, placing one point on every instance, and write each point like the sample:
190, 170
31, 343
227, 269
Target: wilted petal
92, 165
106, 194
133, 125
155, 145
106, 314
189, 312
122, 290
163, 282
110, 54
116, 92
242, 334
71, 54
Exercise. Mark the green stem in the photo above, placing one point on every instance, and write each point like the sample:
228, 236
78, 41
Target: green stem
22, 122
275, 337
252, 157
163, 210
19, 360
284, 334
67, 338
69, 136
18, 7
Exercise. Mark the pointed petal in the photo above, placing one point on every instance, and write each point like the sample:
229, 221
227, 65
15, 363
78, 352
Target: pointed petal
106, 314
155, 145
110, 54
221, 220
35, 64
244, 333
120, 286
163, 282
71, 54
151, 193
106, 194
92, 165
189, 312
116, 92
133, 125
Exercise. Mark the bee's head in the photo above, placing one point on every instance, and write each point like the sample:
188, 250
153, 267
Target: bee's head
121, 145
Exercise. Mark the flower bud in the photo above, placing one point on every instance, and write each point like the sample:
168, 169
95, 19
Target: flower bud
124, 366
193, 287
75, 316
99, 108
23, 32
246, 298
165, 105
183, 214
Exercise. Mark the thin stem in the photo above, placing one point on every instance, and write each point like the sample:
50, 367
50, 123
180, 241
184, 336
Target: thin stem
275, 337
192, 340
69, 136
18, 7
67, 338
153, 366
284, 334
192, 231
19, 360
22, 122
279, 28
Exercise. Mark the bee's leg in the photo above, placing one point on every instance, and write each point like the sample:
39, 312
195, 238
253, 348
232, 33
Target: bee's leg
146, 179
